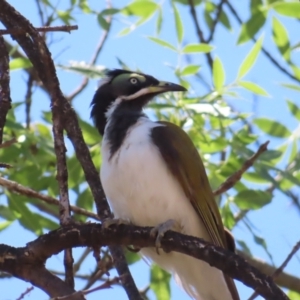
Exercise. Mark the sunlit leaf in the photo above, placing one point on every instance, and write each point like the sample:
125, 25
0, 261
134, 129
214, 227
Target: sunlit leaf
197, 48
160, 283
253, 87
218, 74
190, 70
20, 63
178, 23
162, 43
289, 9
250, 59
293, 295
143, 9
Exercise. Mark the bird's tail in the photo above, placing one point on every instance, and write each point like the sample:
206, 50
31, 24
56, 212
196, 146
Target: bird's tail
197, 278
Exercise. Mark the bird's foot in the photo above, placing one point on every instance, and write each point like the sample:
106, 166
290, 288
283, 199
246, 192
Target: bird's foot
108, 222
160, 230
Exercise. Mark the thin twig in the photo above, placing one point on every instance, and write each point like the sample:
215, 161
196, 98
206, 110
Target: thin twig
266, 52
280, 269
28, 97
216, 20
234, 178
8, 143
28, 290
18, 188
107, 284
21, 31
199, 32
99, 48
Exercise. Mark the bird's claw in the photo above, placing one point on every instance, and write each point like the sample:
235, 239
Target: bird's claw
109, 222
160, 230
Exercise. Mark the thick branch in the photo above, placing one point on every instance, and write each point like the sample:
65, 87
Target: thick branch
93, 235
5, 101
13, 261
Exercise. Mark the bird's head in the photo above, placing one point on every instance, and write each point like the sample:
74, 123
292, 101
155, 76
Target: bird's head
131, 90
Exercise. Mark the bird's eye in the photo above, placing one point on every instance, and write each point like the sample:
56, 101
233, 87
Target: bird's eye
133, 80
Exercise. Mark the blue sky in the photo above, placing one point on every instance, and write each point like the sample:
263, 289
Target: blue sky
277, 222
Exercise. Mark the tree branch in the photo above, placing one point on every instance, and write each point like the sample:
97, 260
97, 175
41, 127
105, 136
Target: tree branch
234, 178
93, 235
35, 48
284, 279
19, 31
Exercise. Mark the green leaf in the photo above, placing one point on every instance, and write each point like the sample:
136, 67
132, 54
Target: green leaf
256, 5
294, 109
288, 9
272, 128
224, 20
254, 88
110, 11
251, 27
162, 43
20, 63
160, 283
159, 21
131, 257
294, 151
90, 133
4, 225
293, 295
178, 24
250, 58
190, 70
102, 22
291, 86
255, 178
281, 39
197, 48
218, 74
252, 199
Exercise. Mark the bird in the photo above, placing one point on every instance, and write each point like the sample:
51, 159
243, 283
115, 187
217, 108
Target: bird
153, 175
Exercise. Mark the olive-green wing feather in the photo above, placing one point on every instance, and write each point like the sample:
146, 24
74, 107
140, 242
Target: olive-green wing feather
186, 165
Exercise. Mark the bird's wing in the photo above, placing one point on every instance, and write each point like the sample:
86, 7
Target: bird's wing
186, 165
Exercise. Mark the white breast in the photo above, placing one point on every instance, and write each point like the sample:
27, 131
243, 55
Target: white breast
139, 186
141, 189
